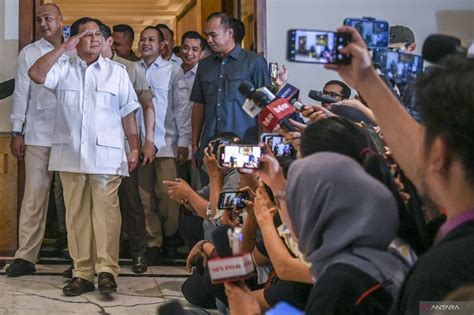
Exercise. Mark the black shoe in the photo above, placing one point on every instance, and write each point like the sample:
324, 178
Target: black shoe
68, 272
20, 267
154, 255
140, 264
2, 264
107, 283
77, 286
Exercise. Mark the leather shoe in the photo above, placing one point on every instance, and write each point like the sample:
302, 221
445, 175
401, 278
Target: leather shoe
77, 286
107, 283
68, 272
140, 264
20, 267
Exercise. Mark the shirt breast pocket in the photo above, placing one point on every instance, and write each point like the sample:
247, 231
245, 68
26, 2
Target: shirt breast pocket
161, 89
68, 93
109, 150
208, 85
232, 84
105, 94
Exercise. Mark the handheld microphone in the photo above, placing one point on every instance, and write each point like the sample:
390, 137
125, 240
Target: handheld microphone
255, 98
288, 92
437, 46
320, 97
232, 264
277, 112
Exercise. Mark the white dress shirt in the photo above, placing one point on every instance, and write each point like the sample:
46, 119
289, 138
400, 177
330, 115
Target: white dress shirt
175, 59
172, 115
189, 77
34, 107
92, 100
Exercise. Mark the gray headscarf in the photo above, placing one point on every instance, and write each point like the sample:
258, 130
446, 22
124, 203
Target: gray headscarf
341, 214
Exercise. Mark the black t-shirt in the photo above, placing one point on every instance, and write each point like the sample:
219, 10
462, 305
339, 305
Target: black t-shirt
344, 289
445, 267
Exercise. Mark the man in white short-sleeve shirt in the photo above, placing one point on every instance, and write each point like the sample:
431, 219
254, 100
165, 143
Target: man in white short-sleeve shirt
96, 104
172, 138
32, 120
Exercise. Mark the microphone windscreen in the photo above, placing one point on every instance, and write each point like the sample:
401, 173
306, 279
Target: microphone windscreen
437, 46
318, 96
245, 88
220, 238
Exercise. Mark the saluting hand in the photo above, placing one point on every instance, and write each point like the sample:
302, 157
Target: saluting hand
73, 41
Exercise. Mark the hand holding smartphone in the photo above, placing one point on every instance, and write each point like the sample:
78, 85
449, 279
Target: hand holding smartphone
320, 47
375, 33
232, 200
241, 156
279, 145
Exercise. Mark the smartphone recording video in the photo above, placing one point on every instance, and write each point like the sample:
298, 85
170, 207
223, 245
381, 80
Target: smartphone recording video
319, 47
232, 200
240, 156
280, 146
374, 32
397, 66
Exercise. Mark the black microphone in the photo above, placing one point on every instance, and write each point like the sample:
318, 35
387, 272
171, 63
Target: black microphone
171, 308
220, 238
256, 99
320, 97
232, 264
437, 46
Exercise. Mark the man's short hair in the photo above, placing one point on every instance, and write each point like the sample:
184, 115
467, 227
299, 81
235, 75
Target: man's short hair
161, 37
226, 20
105, 30
81, 21
193, 35
126, 29
346, 90
445, 96
162, 26
239, 30
401, 34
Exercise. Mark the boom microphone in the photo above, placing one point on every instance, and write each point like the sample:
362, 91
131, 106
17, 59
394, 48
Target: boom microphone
437, 46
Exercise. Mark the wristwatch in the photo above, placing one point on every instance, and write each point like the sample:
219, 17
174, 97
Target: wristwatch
16, 133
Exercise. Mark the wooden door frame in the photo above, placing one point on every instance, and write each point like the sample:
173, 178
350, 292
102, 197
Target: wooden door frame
261, 26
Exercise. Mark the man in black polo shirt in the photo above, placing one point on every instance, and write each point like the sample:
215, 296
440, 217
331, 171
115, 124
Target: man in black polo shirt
217, 101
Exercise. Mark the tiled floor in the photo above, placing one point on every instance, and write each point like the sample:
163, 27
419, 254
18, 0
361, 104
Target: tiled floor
42, 293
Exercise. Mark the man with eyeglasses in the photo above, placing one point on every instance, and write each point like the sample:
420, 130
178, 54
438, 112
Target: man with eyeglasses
337, 90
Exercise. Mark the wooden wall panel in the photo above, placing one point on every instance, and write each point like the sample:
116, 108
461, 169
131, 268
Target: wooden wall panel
8, 198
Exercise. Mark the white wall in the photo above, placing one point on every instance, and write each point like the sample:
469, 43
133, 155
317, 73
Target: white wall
422, 16
8, 53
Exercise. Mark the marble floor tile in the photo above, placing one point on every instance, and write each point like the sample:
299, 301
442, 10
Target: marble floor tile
42, 294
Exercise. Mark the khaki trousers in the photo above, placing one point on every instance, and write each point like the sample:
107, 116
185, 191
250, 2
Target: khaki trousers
93, 222
34, 206
165, 221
